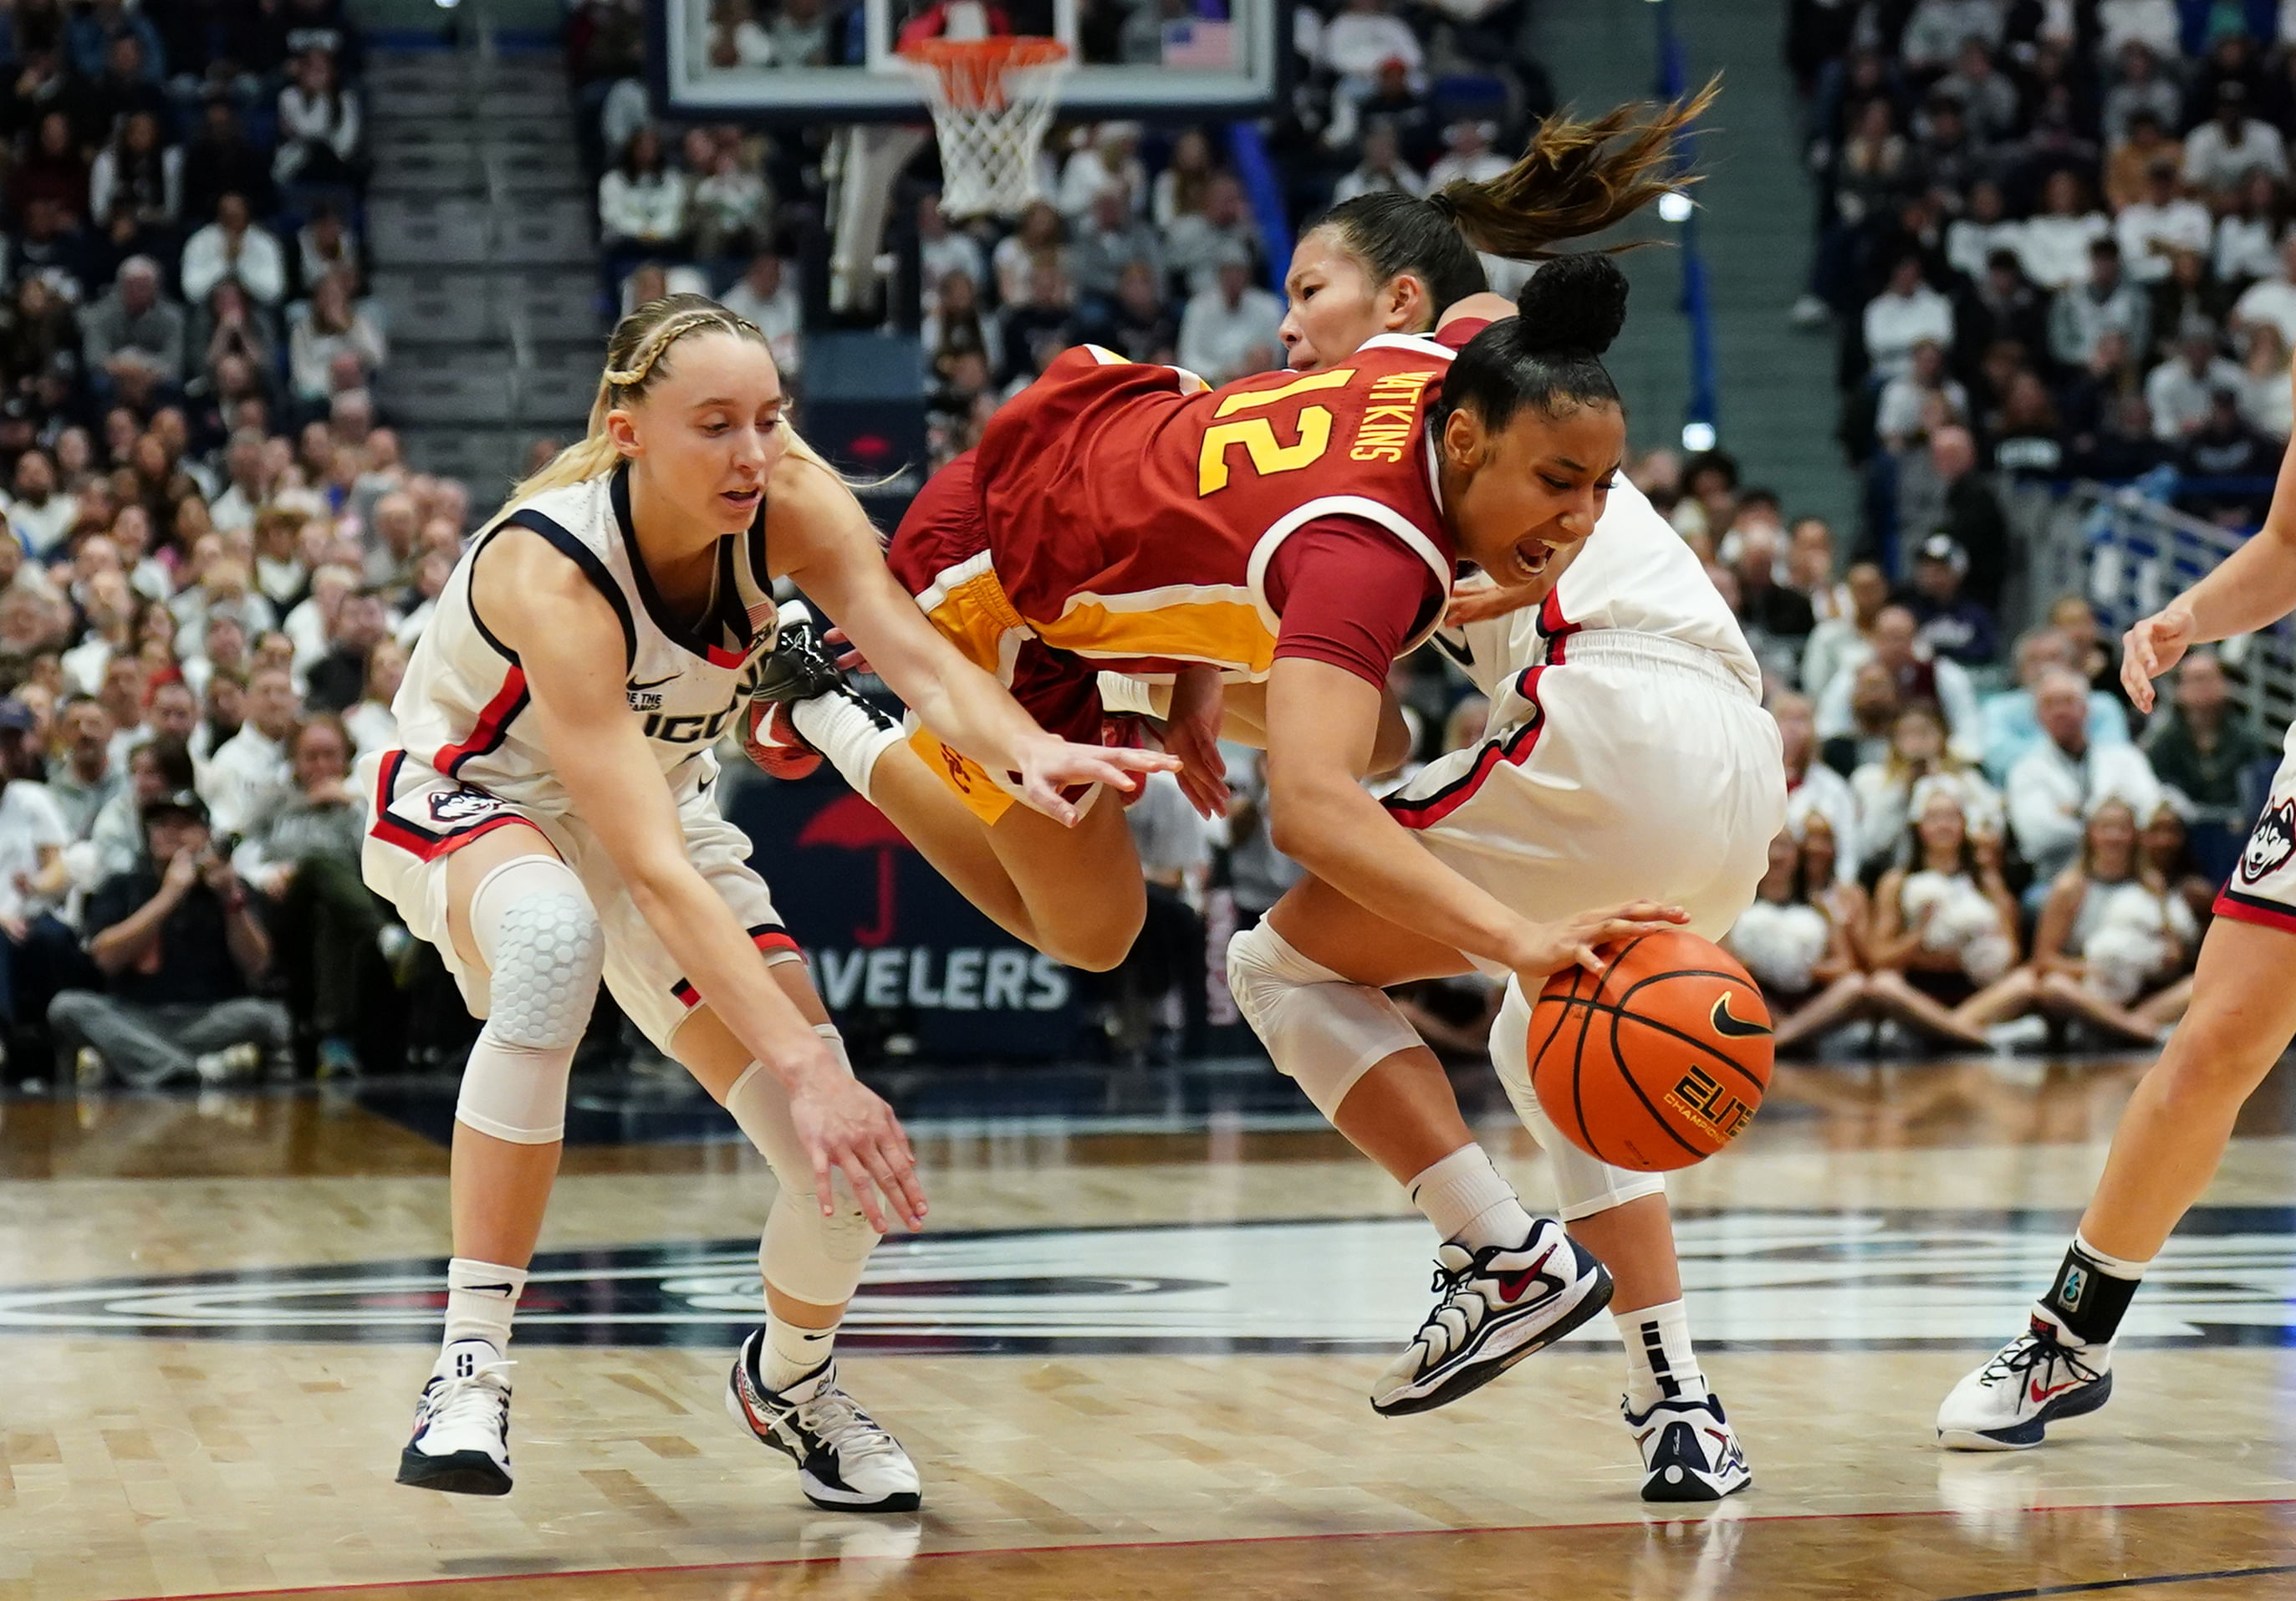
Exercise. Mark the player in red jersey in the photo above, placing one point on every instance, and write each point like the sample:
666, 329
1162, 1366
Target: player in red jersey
1289, 535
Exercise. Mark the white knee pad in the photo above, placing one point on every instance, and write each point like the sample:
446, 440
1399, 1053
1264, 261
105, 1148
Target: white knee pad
1583, 1186
804, 1255
1322, 1030
533, 924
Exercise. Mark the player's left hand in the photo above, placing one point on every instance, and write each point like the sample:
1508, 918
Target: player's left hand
1552, 947
1049, 766
1191, 732
849, 655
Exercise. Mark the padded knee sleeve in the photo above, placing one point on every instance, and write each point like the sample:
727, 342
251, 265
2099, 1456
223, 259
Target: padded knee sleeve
804, 1255
534, 925
1322, 1030
1583, 1186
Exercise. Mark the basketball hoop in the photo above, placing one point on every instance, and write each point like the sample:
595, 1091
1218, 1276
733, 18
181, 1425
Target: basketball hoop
992, 102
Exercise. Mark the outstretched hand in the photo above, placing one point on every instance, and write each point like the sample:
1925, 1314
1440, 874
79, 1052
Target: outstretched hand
847, 1127
849, 655
2150, 648
1478, 600
1192, 731
1053, 765
1552, 947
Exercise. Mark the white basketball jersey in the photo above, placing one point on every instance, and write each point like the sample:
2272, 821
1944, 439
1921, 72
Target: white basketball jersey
1633, 573
464, 707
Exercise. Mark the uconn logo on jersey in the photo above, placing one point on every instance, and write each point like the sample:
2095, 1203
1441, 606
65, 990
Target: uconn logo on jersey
2271, 845
695, 728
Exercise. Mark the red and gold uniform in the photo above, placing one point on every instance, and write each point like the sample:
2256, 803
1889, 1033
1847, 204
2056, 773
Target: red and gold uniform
1121, 515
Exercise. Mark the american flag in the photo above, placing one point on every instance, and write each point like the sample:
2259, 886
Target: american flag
1199, 45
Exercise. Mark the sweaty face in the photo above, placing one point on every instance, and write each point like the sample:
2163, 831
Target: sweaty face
1531, 491
709, 429
1336, 307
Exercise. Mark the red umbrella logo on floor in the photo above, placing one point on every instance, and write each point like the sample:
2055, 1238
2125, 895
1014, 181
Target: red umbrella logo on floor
850, 823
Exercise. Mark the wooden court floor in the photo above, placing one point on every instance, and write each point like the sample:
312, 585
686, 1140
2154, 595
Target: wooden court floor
1131, 1361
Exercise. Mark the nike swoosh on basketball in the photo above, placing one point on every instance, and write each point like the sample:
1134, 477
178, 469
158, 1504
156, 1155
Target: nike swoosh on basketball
1731, 1027
1512, 1285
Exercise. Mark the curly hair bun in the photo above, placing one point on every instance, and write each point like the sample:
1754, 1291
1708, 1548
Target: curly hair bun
1573, 305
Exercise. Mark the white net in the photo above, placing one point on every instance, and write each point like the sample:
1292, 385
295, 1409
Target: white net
992, 102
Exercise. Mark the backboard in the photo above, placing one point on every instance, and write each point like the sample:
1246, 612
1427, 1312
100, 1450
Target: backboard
1156, 59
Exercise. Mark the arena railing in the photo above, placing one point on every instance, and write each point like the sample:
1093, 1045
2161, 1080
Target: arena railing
2130, 554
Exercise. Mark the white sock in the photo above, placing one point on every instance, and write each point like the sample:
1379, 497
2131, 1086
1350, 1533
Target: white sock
480, 1297
844, 731
791, 1352
1468, 1202
1662, 1364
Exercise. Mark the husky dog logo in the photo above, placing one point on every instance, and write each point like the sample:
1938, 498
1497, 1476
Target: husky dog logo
2272, 843
461, 806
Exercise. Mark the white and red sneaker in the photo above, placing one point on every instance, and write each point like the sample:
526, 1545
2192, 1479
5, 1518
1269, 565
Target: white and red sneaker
2039, 1378
1494, 1307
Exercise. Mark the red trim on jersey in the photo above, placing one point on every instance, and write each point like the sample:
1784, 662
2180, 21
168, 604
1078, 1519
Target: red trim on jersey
1556, 626
719, 656
1511, 749
493, 726
2249, 908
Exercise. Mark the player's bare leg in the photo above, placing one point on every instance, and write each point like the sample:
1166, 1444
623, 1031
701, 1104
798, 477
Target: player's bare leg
2165, 1152
784, 1387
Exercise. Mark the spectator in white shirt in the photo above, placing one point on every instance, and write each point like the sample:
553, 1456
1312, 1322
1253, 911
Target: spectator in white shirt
766, 296
233, 247
2248, 235
250, 772
727, 202
2177, 391
943, 250
1989, 100
1195, 244
330, 328
2221, 152
372, 723
1469, 157
2055, 783
1906, 312
2164, 222
1381, 168
2271, 300
1112, 159
318, 124
1234, 328
641, 202
2108, 303
1937, 28
40, 516
2266, 402
1810, 784
1365, 35
2055, 242
2143, 87
1900, 417
2150, 23
1970, 242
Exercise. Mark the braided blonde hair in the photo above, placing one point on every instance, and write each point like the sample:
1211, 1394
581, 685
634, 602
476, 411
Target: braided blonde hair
634, 361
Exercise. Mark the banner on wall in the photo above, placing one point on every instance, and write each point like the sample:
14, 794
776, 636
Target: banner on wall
891, 945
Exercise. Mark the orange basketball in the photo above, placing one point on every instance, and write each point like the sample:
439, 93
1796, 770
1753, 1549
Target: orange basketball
1659, 1060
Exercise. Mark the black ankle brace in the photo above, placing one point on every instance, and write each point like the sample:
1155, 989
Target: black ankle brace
2087, 1300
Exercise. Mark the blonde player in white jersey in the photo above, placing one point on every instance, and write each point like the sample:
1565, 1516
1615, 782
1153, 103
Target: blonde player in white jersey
549, 821
1629, 755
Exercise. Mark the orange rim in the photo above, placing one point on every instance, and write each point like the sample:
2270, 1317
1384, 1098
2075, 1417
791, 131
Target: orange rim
972, 71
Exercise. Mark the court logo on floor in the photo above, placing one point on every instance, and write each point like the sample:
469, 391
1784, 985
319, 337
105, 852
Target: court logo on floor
1755, 1280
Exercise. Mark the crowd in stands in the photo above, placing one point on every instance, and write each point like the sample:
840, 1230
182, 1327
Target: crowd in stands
1146, 241
218, 559
2060, 231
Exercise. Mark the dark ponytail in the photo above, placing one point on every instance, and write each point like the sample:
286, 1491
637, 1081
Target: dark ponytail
1571, 182
1549, 354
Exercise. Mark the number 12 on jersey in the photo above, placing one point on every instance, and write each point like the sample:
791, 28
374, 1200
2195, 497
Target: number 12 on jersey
1269, 455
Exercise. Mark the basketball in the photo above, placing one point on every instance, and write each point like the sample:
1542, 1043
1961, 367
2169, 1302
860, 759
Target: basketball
1658, 1061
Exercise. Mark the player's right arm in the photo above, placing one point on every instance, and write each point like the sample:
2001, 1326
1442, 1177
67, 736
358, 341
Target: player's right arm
2251, 589
571, 644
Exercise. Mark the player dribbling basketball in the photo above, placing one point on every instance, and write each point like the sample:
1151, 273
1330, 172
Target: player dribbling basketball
1628, 754
550, 821
2177, 1125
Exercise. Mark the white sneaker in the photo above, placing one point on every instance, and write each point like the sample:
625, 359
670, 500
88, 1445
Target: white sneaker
462, 1425
1494, 1307
2034, 1381
846, 1461
1690, 1451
